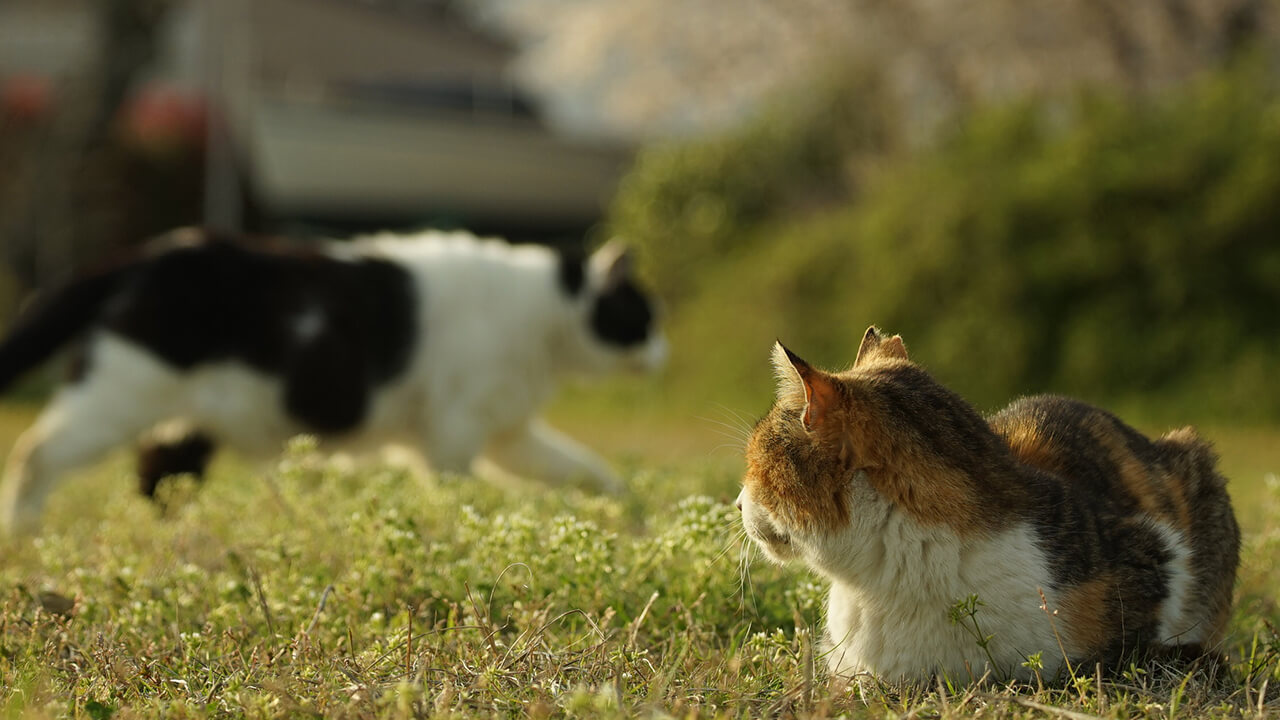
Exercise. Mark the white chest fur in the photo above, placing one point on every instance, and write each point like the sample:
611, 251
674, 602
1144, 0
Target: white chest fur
890, 605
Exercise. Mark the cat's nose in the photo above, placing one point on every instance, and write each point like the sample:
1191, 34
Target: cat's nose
738, 502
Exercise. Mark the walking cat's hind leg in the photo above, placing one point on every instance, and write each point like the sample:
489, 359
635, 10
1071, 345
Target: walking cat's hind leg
451, 447
163, 457
125, 392
539, 451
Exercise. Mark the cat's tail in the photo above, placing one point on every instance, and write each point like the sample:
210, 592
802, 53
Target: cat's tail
1212, 532
53, 318
1193, 459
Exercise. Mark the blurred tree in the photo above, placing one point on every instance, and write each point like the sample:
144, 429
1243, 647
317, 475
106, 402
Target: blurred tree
46, 218
646, 68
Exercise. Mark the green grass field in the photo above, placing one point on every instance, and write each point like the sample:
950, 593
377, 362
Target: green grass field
311, 588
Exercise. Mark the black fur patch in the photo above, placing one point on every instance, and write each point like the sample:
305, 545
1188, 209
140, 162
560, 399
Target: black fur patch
331, 329
77, 362
571, 273
54, 318
157, 461
622, 315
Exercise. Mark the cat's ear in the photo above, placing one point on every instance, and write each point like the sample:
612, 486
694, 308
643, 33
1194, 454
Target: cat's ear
874, 343
612, 263
870, 341
797, 379
894, 347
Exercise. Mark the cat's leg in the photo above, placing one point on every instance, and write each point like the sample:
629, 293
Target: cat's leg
125, 392
68, 435
541, 452
452, 447
171, 450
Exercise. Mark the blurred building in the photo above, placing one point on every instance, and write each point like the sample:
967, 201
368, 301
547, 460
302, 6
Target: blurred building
335, 113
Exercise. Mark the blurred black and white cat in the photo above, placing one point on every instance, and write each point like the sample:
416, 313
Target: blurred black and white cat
445, 341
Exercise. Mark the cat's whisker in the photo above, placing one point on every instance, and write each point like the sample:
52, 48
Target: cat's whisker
732, 432
739, 540
729, 544
744, 423
729, 533
735, 528
736, 447
748, 589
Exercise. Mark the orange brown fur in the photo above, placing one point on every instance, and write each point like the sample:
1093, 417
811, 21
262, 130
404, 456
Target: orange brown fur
1083, 613
861, 432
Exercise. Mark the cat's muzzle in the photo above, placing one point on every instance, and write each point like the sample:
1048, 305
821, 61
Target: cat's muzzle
777, 545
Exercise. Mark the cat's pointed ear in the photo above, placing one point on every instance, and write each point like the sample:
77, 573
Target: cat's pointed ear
874, 343
870, 341
613, 263
798, 379
894, 347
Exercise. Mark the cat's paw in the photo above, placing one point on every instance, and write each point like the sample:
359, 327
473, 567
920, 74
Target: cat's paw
608, 482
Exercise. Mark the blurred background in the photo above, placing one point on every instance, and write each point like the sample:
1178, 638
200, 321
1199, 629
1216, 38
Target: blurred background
1076, 196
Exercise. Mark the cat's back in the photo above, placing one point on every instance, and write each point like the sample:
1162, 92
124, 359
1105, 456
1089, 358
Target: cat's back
1093, 450
459, 263
1164, 493
480, 299
200, 297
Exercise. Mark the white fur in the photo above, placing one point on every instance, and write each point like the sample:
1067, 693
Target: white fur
496, 333
1177, 626
894, 582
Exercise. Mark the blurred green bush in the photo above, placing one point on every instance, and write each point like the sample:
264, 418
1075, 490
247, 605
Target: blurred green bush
702, 199
1124, 251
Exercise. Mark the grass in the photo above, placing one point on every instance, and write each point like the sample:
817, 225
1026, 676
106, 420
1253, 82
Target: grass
313, 588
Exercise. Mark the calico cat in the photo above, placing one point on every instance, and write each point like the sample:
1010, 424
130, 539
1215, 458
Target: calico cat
909, 502
445, 341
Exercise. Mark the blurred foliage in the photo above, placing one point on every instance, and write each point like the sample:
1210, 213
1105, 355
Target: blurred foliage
693, 201
1126, 252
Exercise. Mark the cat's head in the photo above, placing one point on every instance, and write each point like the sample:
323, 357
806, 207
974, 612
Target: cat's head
617, 323
841, 453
